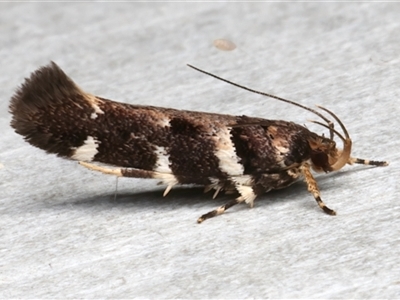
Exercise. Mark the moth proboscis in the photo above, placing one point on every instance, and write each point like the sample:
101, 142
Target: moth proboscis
221, 152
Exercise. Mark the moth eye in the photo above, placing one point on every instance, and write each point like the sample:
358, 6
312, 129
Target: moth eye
320, 160
271, 136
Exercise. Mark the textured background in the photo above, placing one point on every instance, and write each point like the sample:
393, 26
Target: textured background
64, 235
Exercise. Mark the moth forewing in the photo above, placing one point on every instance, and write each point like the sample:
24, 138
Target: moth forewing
241, 154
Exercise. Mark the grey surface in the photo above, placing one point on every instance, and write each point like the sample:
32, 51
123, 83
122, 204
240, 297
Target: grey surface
64, 235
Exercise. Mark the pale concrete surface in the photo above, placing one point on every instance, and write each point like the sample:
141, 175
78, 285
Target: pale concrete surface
64, 236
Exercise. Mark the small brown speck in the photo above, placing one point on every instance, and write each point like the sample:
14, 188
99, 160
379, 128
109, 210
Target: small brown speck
224, 45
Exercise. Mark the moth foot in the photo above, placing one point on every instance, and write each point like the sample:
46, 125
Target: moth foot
220, 210
325, 208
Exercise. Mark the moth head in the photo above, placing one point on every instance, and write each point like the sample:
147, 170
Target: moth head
325, 156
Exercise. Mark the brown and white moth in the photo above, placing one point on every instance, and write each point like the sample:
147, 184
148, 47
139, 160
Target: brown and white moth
240, 154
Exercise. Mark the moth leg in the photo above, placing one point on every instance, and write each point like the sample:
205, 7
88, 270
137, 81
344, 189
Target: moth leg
104, 170
243, 184
120, 172
355, 160
167, 179
313, 189
220, 210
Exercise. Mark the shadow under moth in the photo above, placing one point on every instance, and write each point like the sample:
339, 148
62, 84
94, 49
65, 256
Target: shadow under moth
235, 154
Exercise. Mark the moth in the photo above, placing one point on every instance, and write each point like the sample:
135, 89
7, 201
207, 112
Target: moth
235, 154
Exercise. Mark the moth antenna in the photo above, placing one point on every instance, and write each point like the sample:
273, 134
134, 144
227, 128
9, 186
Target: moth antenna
263, 94
330, 129
337, 120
